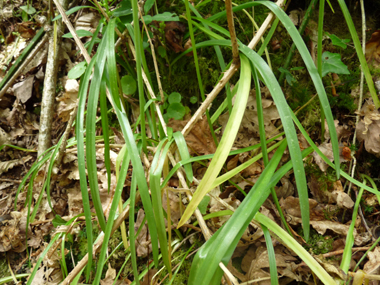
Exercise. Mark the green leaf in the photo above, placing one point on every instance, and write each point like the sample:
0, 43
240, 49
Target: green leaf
203, 204
161, 51
125, 9
184, 152
165, 17
175, 97
289, 77
77, 70
359, 52
147, 19
128, 84
297, 68
148, 5
28, 9
71, 11
58, 221
338, 42
318, 270
331, 63
80, 33
226, 142
193, 99
176, 111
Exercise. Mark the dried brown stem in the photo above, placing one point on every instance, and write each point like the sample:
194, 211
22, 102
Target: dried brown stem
231, 28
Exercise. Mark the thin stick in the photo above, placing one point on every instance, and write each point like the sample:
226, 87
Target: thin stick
24, 64
72, 31
231, 28
154, 60
228, 74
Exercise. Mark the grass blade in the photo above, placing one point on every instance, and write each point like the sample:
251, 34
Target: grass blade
221, 245
297, 248
359, 52
79, 132
271, 256
225, 143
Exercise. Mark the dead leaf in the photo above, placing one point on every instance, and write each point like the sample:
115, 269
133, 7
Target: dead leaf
23, 90
199, 140
373, 264
249, 128
368, 128
372, 49
69, 100
342, 199
6, 165
332, 267
175, 206
174, 32
143, 240
326, 149
296, 16
88, 22
232, 163
110, 276
342, 131
286, 189
4, 137
25, 31
187, 46
292, 206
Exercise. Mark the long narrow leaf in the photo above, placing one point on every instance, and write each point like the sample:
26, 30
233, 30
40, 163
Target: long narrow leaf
132, 148
155, 177
79, 130
291, 135
297, 248
205, 268
347, 253
92, 106
271, 256
184, 152
359, 52
225, 143
299, 42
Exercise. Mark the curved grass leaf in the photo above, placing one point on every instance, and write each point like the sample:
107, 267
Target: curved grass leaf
271, 256
291, 135
297, 248
184, 152
298, 41
205, 267
154, 182
79, 132
92, 108
359, 52
347, 253
133, 152
225, 143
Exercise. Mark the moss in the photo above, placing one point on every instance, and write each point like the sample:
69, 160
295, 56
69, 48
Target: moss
318, 244
325, 180
4, 271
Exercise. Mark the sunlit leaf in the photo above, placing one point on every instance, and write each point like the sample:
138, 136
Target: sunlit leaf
331, 62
